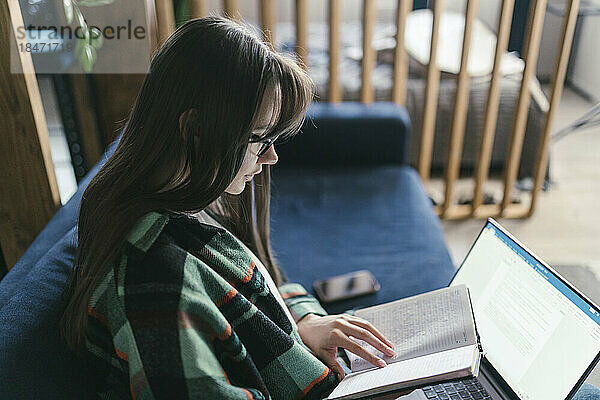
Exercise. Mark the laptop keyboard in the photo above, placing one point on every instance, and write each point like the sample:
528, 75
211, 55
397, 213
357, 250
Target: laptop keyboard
457, 390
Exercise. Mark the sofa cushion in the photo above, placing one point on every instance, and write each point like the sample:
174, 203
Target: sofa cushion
349, 133
325, 222
35, 362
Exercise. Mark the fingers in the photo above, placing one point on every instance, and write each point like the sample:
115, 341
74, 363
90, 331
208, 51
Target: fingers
352, 346
363, 334
363, 330
367, 325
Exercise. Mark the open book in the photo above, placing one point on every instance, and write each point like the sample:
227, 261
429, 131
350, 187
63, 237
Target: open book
434, 338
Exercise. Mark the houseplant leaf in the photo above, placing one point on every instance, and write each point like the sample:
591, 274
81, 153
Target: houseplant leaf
68, 6
87, 57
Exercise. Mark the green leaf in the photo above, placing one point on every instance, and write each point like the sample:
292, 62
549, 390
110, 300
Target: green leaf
95, 3
81, 21
68, 6
96, 38
87, 58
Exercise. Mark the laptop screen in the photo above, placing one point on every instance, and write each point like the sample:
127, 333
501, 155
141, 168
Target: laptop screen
539, 335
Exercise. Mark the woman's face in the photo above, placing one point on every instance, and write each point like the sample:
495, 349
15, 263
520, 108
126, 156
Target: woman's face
252, 164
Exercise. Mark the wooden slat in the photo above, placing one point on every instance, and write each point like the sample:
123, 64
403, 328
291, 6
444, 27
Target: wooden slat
165, 17
515, 211
29, 195
534, 31
431, 96
267, 21
334, 90
460, 108
493, 102
301, 33
560, 70
367, 94
463, 211
197, 8
231, 9
400, 56
152, 24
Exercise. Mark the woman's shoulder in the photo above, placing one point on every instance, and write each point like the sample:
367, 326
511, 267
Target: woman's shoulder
167, 253
160, 229
162, 245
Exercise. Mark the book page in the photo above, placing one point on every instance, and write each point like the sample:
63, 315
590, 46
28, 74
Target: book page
450, 364
420, 325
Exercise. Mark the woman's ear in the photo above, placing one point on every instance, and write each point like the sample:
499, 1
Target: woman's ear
186, 120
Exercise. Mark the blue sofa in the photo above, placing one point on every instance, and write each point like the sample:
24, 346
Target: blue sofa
342, 200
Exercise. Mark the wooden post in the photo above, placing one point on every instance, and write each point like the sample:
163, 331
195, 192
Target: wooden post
491, 111
165, 18
334, 95
301, 33
267, 20
459, 119
532, 45
560, 69
197, 8
431, 96
367, 94
29, 195
400, 56
231, 9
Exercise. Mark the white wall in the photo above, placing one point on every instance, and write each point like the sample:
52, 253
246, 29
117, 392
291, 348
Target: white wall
586, 71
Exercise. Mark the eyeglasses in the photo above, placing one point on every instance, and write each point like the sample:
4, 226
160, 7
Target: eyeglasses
266, 144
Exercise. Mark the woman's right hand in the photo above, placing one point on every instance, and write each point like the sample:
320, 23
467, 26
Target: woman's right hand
323, 336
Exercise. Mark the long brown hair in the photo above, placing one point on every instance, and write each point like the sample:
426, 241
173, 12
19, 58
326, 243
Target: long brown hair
181, 147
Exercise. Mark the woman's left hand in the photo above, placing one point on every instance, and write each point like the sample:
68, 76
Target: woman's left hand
323, 336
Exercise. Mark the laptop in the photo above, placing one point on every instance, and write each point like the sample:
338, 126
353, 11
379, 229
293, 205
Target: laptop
541, 337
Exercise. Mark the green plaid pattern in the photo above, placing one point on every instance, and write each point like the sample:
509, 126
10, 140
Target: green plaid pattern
186, 314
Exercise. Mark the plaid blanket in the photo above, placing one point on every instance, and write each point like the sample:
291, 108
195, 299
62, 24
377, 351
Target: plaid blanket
187, 315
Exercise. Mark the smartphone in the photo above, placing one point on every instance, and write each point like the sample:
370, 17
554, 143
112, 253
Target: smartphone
346, 286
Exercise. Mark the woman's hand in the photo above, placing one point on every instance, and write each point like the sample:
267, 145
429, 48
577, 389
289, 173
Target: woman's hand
323, 336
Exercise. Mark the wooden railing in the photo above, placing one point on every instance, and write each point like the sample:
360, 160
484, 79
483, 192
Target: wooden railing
14, 210
505, 208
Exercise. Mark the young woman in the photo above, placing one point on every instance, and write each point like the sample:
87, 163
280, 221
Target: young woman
175, 292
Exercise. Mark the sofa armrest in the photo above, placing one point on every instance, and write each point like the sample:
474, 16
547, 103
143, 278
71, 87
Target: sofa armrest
350, 133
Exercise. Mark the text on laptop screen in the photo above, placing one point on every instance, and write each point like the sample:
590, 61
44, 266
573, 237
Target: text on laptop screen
538, 334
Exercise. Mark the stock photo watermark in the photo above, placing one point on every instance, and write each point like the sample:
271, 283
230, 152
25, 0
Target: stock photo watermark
89, 36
